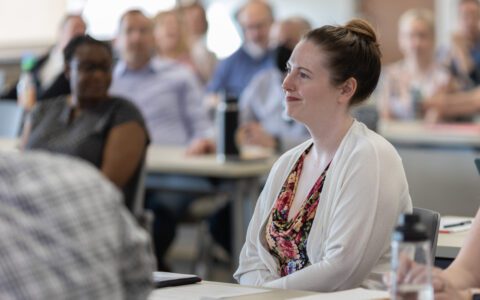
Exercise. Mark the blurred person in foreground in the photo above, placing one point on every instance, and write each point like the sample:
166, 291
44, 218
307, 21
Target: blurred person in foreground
48, 71
324, 218
65, 233
405, 86
106, 131
461, 280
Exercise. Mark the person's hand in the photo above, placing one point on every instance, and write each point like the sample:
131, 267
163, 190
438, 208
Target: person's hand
444, 289
410, 272
253, 133
434, 107
201, 146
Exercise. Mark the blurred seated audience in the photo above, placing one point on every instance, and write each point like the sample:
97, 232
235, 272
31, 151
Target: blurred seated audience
48, 69
262, 109
196, 26
65, 233
106, 131
170, 98
461, 279
405, 86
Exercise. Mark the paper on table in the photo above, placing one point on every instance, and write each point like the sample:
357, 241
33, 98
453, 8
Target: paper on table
357, 294
448, 220
202, 291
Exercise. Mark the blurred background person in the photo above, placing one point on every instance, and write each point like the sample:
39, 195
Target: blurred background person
406, 85
106, 131
234, 73
65, 233
464, 54
170, 40
464, 61
196, 25
170, 98
48, 71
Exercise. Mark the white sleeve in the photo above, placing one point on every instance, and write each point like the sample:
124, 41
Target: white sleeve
368, 200
252, 270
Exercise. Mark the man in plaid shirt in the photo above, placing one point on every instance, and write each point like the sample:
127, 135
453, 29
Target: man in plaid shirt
65, 233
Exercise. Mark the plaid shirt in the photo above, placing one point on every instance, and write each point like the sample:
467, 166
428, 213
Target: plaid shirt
65, 234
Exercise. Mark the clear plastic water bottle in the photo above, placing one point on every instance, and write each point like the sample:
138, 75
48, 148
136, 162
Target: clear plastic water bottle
227, 124
410, 242
26, 87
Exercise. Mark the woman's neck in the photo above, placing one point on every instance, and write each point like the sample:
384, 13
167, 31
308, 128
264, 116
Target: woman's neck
327, 139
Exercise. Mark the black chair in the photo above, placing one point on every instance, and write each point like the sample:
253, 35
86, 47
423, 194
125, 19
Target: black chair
431, 220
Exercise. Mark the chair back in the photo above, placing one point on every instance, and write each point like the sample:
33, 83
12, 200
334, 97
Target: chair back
431, 220
11, 116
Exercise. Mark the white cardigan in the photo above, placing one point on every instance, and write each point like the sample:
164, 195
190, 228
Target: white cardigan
364, 192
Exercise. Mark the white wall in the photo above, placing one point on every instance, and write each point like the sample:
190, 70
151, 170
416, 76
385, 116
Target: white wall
33, 23
29, 22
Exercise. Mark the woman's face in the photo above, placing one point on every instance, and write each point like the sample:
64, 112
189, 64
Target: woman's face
310, 95
90, 74
416, 40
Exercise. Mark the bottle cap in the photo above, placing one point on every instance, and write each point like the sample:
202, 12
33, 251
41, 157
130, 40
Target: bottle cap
28, 62
410, 229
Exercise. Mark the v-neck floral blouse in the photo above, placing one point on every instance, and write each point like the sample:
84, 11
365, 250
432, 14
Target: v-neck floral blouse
287, 239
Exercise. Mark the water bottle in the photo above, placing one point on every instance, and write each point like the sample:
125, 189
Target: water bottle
227, 124
410, 242
26, 87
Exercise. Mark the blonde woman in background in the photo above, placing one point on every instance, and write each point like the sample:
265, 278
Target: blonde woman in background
405, 86
169, 37
196, 26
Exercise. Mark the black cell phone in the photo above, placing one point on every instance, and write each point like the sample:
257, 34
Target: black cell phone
165, 279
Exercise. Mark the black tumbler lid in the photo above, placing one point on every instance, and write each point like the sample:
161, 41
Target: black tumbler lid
410, 229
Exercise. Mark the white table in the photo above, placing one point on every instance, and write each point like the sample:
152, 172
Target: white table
213, 290
242, 175
439, 164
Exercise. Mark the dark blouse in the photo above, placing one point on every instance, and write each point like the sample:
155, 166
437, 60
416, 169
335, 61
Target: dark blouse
86, 135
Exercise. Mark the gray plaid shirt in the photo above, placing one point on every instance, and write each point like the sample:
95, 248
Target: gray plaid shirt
65, 234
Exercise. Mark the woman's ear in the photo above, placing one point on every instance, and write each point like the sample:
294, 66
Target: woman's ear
348, 89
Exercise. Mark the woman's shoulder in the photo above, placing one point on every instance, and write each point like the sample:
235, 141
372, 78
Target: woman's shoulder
366, 142
291, 156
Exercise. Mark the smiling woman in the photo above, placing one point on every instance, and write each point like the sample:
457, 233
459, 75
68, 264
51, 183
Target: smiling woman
324, 218
105, 131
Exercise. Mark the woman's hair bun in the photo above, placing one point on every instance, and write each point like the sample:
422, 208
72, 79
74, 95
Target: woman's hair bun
362, 28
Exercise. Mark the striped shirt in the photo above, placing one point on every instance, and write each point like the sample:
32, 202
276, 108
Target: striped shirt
65, 234
169, 97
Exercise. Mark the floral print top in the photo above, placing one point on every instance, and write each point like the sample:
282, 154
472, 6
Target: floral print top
287, 239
